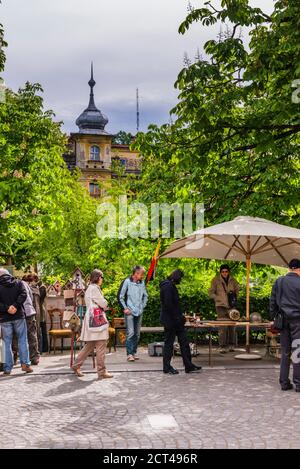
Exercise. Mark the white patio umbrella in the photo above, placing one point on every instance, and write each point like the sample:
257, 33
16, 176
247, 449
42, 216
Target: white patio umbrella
245, 239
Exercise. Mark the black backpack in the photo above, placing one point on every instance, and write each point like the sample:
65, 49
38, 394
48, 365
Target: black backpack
119, 293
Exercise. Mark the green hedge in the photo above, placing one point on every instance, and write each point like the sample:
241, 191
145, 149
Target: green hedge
194, 298
198, 303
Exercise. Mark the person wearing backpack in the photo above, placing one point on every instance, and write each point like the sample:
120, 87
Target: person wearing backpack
285, 300
133, 297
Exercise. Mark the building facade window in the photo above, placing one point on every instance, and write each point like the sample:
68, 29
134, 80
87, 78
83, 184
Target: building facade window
94, 189
95, 153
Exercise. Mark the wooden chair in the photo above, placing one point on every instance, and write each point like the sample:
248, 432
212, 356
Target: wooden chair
57, 330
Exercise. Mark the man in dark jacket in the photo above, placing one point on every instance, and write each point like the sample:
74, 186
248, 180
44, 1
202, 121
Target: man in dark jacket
12, 319
286, 298
173, 321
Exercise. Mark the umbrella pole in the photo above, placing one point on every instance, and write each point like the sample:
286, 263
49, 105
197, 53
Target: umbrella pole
248, 355
248, 261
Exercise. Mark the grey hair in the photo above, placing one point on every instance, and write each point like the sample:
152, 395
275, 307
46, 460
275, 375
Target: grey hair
138, 268
4, 272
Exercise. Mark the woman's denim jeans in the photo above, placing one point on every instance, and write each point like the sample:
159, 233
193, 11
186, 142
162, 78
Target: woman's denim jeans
20, 329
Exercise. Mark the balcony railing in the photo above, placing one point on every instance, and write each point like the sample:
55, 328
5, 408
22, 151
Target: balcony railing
91, 164
129, 165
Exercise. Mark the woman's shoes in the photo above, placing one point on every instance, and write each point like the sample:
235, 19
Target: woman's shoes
106, 376
77, 372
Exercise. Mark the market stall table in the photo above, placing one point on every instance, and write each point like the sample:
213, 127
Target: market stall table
211, 326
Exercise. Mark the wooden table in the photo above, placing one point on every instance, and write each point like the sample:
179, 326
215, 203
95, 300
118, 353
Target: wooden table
211, 326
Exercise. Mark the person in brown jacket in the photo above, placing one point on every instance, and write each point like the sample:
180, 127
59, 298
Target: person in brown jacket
223, 287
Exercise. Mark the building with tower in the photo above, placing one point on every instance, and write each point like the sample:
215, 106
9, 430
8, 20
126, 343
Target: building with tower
93, 151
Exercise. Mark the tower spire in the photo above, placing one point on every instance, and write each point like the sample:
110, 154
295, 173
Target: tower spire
92, 84
91, 120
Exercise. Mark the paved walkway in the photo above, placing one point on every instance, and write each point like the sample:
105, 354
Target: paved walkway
116, 361
218, 408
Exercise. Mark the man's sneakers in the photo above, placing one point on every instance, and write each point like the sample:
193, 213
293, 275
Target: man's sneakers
222, 350
194, 369
171, 371
27, 368
132, 358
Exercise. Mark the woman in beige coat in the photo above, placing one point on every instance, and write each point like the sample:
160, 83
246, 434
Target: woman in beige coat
94, 340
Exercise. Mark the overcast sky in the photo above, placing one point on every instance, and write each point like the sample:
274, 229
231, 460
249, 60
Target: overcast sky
133, 43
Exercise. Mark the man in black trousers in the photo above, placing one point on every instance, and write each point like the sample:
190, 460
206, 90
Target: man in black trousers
286, 298
173, 321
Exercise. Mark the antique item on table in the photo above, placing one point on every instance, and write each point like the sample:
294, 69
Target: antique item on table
78, 279
255, 317
193, 349
71, 321
234, 314
54, 290
232, 299
156, 349
118, 322
68, 294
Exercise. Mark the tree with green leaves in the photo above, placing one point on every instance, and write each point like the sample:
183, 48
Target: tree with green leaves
2, 45
45, 214
123, 138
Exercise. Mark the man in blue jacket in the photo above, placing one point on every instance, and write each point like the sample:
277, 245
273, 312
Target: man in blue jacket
133, 297
286, 298
12, 319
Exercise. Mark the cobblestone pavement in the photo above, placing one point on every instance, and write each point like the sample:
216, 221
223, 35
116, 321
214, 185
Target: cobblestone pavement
213, 409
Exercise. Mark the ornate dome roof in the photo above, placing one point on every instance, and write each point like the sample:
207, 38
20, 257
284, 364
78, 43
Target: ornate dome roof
92, 121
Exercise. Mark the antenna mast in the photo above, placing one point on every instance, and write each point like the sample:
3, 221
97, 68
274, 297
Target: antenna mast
137, 111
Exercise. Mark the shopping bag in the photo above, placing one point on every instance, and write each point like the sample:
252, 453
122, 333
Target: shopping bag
97, 320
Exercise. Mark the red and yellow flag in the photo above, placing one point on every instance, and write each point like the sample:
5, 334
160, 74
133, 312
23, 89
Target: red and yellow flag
152, 270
